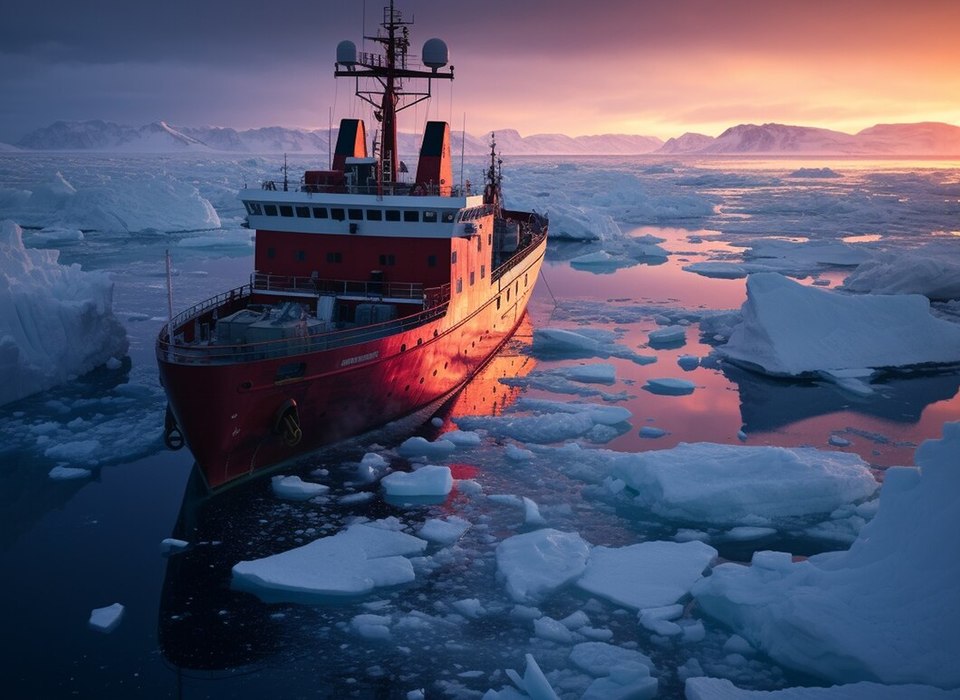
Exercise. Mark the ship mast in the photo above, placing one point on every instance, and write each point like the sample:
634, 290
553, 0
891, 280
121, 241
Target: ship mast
390, 69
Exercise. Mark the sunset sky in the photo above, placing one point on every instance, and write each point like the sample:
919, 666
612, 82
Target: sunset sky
659, 68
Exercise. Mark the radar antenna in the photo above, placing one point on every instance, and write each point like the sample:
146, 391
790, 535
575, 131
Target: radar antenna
390, 69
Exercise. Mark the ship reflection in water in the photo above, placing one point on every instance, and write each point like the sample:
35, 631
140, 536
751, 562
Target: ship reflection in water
209, 630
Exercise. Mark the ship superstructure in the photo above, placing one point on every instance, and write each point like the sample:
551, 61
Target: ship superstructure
371, 296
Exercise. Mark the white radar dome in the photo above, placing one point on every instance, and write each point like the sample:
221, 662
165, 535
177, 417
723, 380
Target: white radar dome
347, 53
435, 54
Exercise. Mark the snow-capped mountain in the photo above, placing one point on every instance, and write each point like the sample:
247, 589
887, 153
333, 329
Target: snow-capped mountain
781, 138
107, 136
690, 142
920, 139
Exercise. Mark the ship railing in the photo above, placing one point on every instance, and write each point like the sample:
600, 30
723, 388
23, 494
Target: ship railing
436, 300
213, 353
266, 282
389, 189
531, 237
198, 310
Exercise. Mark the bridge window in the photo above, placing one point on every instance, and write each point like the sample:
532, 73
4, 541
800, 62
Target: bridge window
270, 209
429, 217
411, 216
355, 214
253, 208
300, 255
431, 261
286, 210
389, 259
374, 214
449, 216
393, 215
303, 212
334, 257
337, 213
319, 212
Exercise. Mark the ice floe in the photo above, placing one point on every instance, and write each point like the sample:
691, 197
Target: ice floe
788, 329
646, 575
669, 386
353, 562
728, 484
552, 421
880, 611
295, 488
106, 619
428, 480
554, 343
445, 531
534, 564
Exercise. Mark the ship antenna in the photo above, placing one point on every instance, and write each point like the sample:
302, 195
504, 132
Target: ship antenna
390, 69
285, 182
491, 194
169, 300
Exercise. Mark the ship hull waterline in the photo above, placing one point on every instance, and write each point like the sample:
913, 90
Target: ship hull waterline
228, 413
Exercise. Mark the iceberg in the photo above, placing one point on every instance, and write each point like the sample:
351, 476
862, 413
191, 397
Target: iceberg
56, 321
931, 271
791, 330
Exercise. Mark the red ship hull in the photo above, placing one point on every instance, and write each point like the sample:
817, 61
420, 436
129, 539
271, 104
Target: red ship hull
228, 413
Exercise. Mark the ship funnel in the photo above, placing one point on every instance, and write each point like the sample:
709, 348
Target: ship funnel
435, 54
347, 54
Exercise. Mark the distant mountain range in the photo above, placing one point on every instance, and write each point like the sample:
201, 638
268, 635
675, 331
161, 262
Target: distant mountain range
920, 139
